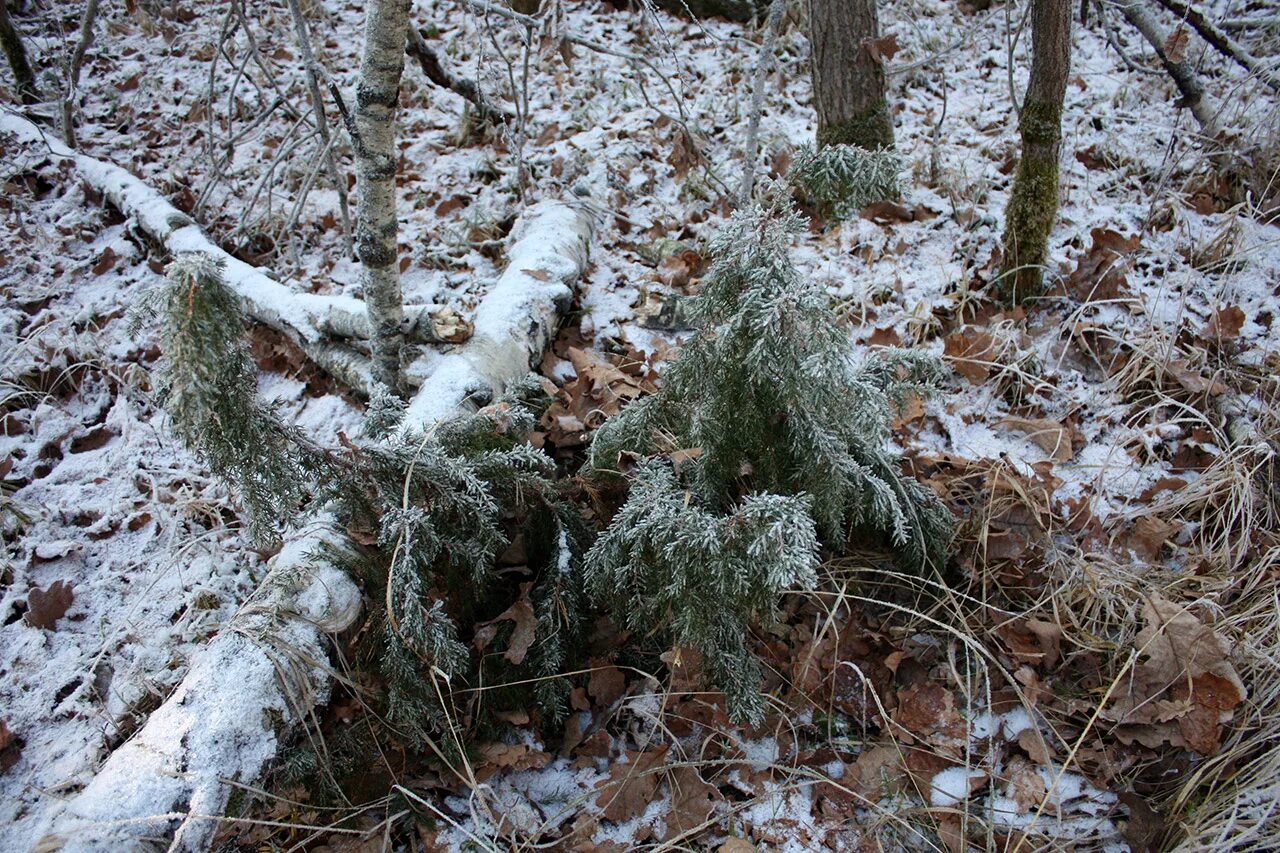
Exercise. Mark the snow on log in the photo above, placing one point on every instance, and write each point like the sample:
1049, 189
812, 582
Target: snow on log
311, 320
266, 670
517, 318
262, 673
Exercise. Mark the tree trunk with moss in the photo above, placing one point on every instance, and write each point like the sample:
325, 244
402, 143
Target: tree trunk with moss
377, 95
1033, 207
848, 79
16, 53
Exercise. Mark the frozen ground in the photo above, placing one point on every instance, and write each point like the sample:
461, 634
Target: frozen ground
99, 496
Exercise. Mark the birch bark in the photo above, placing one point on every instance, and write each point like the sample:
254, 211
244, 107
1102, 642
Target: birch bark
377, 94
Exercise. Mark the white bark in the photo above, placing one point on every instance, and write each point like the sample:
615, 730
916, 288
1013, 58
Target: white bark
265, 670
516, 319
310, 320
260, 675
377, 94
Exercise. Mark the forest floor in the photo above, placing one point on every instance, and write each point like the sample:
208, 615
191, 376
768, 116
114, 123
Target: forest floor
1099, 669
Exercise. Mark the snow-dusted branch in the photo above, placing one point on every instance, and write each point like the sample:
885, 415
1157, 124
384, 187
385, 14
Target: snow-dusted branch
261, 674
1222, 42
429, 61
310, 320
1184, 76
517, 318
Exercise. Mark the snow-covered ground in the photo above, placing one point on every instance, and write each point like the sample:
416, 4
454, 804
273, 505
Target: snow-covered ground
99, 495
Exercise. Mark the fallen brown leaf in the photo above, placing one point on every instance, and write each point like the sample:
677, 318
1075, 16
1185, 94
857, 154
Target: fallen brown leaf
1184, 688
1175, 45
1050, 436
882, 50
971, 353
46, 607
1100, 273
631, 785
692, 801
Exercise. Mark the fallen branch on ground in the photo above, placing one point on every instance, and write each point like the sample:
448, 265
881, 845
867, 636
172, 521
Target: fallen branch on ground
1184, 76
417, 47
1222, 42
266, 670
310, 320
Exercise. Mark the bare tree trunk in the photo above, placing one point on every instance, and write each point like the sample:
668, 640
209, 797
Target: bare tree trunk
16, 53
377, 94
1033, 207
848, 80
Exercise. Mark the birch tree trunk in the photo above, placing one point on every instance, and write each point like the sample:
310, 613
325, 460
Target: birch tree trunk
377, 94
16, 53
848, 81
1033, 206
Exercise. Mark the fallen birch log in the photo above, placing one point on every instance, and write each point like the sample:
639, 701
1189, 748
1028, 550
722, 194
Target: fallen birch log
262, 673
310, 320
516, 319
267, 670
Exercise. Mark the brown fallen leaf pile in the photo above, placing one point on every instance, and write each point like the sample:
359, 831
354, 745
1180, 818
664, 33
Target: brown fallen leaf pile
1184, 687
599, 390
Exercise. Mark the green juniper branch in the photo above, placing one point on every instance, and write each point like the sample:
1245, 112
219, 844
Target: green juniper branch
792, 437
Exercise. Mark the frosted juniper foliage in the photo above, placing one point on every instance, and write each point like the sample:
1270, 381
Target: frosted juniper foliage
208, 384
792, 436
843, 179
440, 506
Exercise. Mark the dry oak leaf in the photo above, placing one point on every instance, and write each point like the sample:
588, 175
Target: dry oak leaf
875, 772
1148, 535
883, 49
1026, 786
1185, 687
677, 270
606, 683
1225, 325
10, 747
736, 845
971, 353
692, 801
886, 337
46, 607
1100, 273
1192, 380
631, 785
1032, 642
1175, 46
521, 614
929, 710
518, 756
